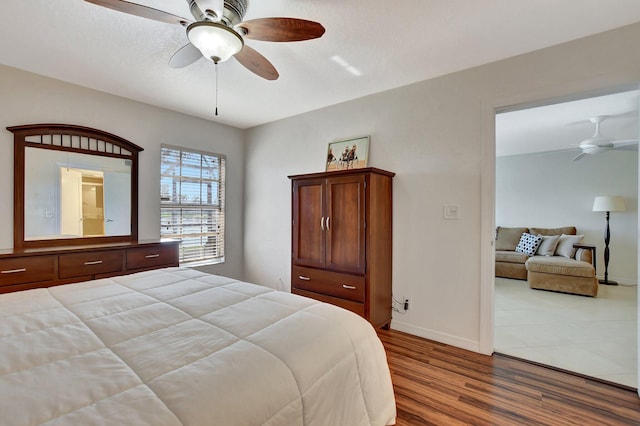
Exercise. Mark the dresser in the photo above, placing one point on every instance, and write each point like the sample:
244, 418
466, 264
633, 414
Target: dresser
45, 267
342, 238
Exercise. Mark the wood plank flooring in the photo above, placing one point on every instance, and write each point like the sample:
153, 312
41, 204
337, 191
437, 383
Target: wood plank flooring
437, 384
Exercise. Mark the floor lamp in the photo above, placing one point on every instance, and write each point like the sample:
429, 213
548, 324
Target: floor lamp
608, 204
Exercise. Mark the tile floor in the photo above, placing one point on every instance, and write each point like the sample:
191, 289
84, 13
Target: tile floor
592, 336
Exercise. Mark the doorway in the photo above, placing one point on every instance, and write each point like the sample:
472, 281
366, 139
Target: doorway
82, 202
538, 184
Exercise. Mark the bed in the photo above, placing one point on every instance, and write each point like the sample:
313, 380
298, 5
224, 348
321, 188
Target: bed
180, 347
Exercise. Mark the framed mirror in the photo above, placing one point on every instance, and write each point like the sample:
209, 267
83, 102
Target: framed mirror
73, 185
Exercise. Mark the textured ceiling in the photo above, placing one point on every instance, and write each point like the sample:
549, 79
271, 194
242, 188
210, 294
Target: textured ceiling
369, 46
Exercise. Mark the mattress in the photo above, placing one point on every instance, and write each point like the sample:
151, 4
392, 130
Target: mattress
181, 347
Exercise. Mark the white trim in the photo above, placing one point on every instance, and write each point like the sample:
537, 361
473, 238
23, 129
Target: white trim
487, 227
447, 339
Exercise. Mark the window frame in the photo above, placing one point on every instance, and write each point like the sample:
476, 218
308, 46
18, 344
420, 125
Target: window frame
218, 210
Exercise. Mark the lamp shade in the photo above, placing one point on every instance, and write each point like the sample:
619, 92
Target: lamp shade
609, 204
217, 42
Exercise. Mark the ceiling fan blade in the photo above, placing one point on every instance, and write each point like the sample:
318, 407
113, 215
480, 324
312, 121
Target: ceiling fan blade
631, 145
185, 56
140, 10
256, 63
626, 148
281, 29
579, 156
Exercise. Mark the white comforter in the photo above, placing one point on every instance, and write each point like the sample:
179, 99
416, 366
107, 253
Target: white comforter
180, 347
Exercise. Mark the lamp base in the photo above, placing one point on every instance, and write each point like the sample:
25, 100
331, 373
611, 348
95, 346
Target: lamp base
608, 282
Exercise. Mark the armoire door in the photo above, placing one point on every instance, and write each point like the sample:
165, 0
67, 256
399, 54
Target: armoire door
345, 224
308, 243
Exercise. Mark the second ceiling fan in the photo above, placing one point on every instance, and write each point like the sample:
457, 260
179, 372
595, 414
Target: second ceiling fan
218, 32
599, 143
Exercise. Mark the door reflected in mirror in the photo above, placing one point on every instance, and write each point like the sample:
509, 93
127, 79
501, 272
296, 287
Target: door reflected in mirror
75, 195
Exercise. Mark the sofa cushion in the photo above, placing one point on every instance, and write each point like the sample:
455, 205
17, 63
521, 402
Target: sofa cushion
510, 256
508, 238
528, 244
560, 266
565, 245
585, 286
568, 230
515, 271
548, 245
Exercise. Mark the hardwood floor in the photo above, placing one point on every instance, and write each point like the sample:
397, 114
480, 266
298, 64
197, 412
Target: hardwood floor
437, 384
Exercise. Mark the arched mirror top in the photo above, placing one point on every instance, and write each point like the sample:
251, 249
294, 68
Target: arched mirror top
73, 185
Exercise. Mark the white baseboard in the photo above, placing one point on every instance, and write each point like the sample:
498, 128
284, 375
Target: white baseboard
448, 339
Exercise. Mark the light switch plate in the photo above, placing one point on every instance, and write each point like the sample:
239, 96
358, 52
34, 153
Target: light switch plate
451, 212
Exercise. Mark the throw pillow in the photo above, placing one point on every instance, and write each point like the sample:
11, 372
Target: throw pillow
565, 245
528, 244
507, 238
548, 245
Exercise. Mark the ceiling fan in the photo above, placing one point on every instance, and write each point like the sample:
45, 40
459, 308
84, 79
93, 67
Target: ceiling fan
218, 31
598, 143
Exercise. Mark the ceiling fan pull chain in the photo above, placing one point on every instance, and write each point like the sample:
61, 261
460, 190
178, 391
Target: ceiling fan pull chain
216, 67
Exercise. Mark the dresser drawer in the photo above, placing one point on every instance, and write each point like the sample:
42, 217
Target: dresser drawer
27, 269
344, 286
355, 307
152, 256
90, 263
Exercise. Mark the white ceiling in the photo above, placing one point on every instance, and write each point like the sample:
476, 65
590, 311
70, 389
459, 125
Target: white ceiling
562, 126
391, 44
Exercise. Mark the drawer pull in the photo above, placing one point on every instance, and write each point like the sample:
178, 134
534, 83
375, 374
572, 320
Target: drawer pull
93, 262
349, 287
13, 271
303, 278
151, 256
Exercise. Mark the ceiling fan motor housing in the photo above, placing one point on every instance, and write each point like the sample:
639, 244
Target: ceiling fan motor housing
234, 11
232, 14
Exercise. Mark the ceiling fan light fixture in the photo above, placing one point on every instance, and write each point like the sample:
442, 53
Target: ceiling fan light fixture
216, 41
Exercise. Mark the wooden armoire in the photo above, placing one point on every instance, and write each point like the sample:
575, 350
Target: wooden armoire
341, 240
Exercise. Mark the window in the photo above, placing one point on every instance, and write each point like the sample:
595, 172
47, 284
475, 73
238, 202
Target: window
192, 203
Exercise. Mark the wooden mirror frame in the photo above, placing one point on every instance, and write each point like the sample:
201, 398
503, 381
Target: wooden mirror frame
106, 145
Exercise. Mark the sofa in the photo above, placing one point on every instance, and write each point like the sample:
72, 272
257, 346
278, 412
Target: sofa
546, 258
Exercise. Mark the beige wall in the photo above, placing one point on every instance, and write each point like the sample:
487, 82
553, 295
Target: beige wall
27, 99
438, 136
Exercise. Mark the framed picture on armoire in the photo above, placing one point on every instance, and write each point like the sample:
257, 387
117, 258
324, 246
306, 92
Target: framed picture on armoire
348, 154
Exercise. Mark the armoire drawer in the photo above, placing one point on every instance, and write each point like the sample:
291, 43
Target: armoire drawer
152, 256
27, 269
355, 307
90, 263
343, 286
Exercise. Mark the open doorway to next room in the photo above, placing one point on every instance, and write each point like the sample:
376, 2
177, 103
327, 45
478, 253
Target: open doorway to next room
546, 183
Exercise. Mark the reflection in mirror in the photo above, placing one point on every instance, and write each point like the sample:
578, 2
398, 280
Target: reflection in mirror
75, 195
103, 201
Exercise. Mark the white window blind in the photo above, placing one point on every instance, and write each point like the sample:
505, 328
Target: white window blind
192, 203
